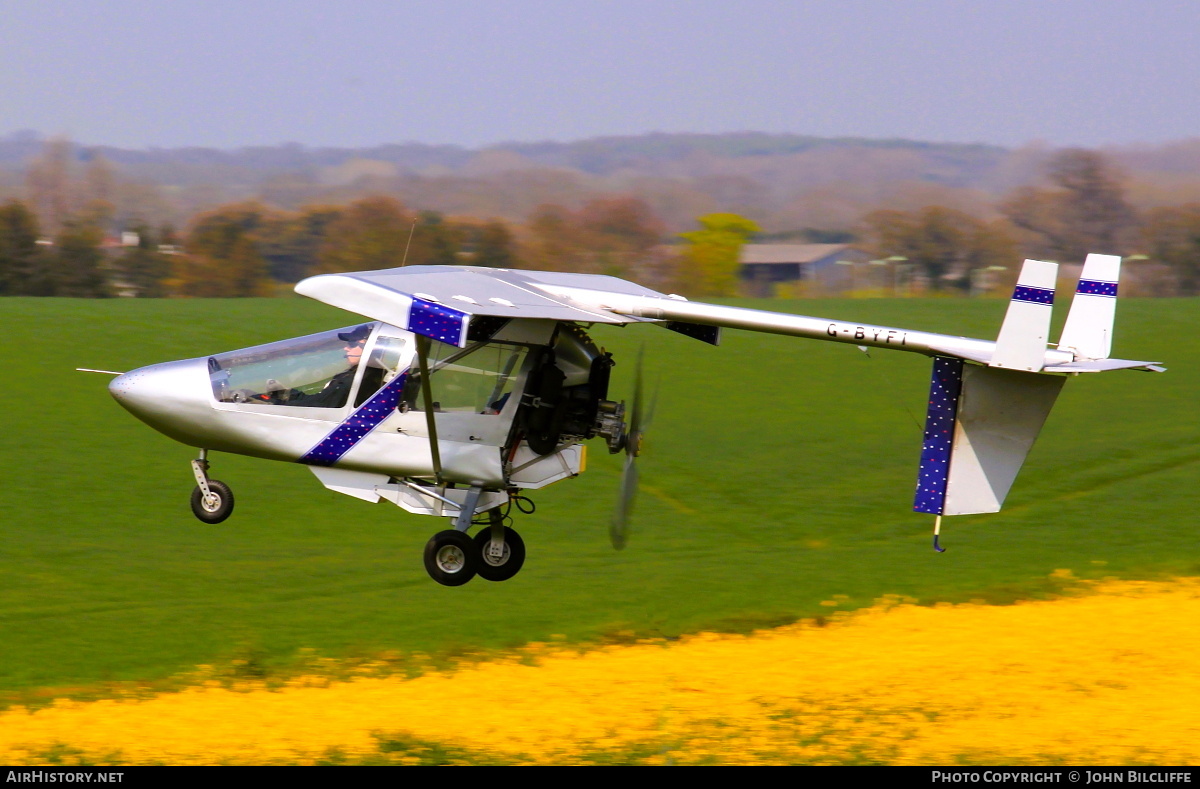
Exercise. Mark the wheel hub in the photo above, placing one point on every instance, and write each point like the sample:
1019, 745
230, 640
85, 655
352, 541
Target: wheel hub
496, 558
450, 559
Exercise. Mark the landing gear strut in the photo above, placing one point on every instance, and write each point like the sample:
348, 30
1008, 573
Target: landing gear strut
212, 500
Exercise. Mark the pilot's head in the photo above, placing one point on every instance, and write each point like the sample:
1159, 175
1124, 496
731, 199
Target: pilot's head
355, 339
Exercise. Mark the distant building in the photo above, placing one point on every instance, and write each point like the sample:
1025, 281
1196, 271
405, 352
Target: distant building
765, 266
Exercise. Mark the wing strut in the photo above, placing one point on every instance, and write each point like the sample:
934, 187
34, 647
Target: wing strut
427, 396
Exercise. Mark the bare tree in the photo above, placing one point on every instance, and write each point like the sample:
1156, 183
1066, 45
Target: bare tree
1085, 210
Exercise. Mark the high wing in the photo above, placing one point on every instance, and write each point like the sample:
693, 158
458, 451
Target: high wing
443, 302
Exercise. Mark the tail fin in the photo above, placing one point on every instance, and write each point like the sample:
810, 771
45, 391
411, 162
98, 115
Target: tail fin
1089, 327
981, 424
982, 421
1021, 344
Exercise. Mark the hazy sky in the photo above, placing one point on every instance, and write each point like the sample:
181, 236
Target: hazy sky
361, 72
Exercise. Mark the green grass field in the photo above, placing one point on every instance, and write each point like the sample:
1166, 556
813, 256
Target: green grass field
778, 474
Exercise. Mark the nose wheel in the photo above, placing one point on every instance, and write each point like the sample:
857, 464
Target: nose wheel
214, 506
212, 500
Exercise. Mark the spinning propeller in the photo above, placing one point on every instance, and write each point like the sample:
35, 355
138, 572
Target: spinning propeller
618, 527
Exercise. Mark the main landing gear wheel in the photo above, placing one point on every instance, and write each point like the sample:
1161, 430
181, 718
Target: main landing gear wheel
216, 506
450, 558
504, 566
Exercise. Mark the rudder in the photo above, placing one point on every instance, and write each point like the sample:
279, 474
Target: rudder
1088, 331
1021, 344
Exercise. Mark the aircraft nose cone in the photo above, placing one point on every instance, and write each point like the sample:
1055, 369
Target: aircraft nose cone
174, 398
142, 391
129, 389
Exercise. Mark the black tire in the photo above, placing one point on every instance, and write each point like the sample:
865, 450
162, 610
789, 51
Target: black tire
507, 567
215, 511
450, 558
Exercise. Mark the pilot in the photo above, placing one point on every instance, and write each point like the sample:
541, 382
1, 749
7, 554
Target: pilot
335, 392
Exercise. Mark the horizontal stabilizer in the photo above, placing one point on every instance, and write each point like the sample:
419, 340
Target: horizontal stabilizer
1104, 365
1021, 344
981, 424
1089, 327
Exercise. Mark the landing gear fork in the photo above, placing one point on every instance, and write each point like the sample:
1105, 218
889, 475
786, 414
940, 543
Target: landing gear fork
212, 500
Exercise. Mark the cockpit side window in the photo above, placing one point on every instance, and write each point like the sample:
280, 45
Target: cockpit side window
478, 379
316, 371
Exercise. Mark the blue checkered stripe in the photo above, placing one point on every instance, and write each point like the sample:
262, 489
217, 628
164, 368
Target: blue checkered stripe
1096, 287
1033, 295
356, 426
438, 322
944, 389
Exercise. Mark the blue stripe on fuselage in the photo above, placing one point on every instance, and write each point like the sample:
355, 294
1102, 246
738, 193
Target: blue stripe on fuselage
356, 426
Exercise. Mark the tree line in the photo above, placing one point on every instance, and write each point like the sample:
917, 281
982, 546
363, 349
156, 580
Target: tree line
58, 241
1081, 207
249, 249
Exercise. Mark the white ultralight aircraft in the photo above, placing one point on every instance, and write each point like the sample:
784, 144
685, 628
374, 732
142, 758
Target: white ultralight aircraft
470, 385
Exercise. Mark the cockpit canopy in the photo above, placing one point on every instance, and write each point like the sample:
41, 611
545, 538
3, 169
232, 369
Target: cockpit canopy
322, 370
317, 371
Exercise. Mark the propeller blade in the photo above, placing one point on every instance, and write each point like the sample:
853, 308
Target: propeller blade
619, 525
648, 419
634, 442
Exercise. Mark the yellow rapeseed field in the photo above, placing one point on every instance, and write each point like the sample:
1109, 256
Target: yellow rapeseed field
1108, 677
